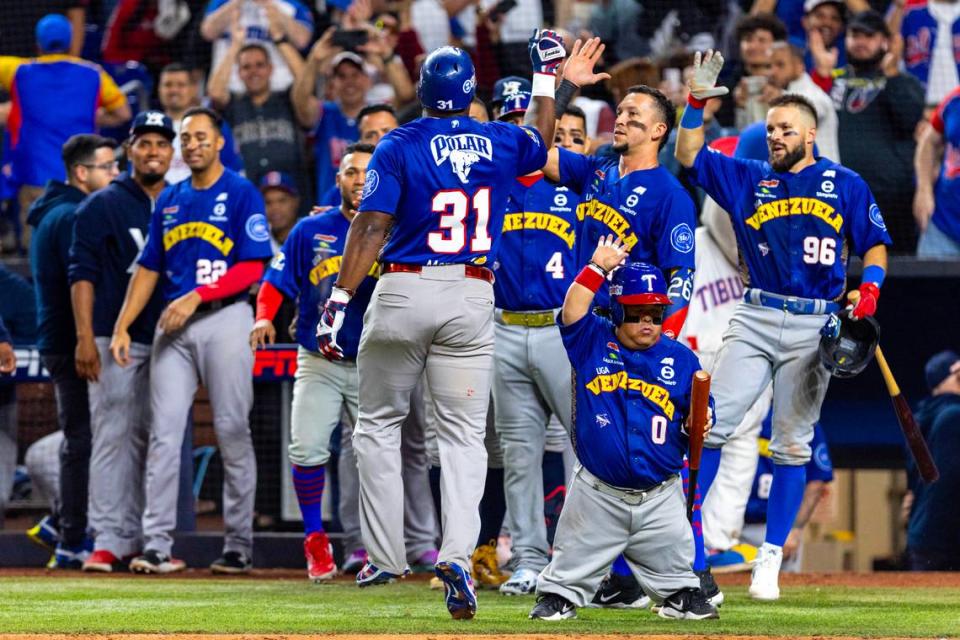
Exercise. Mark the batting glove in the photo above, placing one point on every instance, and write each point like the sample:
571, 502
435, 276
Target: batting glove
867, 304
331, 319
546, 51
706, 70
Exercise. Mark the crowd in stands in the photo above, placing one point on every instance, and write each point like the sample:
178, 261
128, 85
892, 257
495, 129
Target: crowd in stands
297, 82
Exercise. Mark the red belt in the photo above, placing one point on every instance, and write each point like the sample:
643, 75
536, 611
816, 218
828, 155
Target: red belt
469, 270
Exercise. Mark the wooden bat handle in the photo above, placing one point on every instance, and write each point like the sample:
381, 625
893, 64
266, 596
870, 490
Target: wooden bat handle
892, 387
699, 401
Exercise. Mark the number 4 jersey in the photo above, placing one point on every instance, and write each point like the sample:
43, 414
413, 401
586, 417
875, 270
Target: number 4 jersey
196, 235
793, 229
446, 181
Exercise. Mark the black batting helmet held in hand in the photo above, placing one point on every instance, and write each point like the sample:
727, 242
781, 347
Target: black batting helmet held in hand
848, 345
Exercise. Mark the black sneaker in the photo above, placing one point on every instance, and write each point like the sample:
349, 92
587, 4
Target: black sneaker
232, 562
620, 592
552, 607
709, 587
153, 561
688, 604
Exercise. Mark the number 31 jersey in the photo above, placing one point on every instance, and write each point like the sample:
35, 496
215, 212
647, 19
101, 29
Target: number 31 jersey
445, 181
197, 234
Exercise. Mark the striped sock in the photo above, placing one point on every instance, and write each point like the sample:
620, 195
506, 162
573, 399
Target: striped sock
308, 483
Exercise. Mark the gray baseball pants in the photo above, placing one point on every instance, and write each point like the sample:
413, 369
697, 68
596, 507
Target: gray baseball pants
763, 345
531, 382
596, 526
120, 426
42, 460
212, 348
441, 322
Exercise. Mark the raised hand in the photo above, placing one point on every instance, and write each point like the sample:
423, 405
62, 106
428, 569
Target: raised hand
546, 51
706, 70
583, 58
610, 253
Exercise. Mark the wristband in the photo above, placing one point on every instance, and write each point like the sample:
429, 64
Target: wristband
544, 85
873, 273
695, 102
340, 294
564, 94
591, 277
692, 117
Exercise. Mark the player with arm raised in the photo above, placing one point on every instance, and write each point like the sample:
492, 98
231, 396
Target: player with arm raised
439, 184
796, 218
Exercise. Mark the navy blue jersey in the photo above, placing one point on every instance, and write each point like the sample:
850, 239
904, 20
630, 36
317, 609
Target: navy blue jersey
306, 268
794, 230
819, 468
196, 235
110, 231
649, 210
536, 263
446, 181
629, 405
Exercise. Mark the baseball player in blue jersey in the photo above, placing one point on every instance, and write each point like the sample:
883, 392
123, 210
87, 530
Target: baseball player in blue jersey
531, 374
632, 398
439, 185
796, 219
634, 197
304, 270
207, 242
110, 231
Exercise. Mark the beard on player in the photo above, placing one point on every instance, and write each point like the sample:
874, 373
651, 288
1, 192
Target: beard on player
790, 157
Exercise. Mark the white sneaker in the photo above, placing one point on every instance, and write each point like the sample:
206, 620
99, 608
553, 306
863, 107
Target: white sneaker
522, 582
766, 571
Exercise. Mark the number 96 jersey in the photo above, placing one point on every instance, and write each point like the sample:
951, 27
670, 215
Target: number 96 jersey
445, 181
196, 235
793, 229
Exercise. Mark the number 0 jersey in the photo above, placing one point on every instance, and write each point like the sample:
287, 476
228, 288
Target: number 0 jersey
793, 229
196, 235
629, 405
536, 263
445, 181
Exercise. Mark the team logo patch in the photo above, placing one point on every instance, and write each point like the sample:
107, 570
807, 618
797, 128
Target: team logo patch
876, 218
613, 346
278, 261
257, 228
560, 200
681, 238
764, 248
219, 211
371, 182
822, 457
463, 150
603, 420
826, 186
632, 200
172, 209
531, 135
468, 85
667, 372
324, 237
773, 184
222, 197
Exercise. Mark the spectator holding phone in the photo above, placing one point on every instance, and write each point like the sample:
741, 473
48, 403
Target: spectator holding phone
270, 23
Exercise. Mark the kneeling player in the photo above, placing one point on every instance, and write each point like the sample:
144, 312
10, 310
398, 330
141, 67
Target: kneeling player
632, 397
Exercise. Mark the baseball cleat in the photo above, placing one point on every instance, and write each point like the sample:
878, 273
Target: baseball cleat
232, 563
736, 558
620, 592
553, 608
102, 561
709, 587
66, 557
45, 533
319, 554
766, 572
156, 562
521, 583
371, 576
355, 561
485, 568
460, 597
687, 604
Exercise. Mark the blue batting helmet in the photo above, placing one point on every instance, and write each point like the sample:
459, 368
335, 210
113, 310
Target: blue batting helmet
447, 80
636, 283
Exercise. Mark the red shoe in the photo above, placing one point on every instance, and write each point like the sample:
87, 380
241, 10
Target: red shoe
102, 561
319, 554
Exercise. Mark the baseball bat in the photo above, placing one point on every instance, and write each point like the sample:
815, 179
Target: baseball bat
699, 399
911, 431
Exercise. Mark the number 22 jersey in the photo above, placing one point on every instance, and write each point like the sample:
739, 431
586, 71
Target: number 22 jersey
445, 181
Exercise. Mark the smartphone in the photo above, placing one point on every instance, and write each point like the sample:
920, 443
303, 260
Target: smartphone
349, 39
501, 8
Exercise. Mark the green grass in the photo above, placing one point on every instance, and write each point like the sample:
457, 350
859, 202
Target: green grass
132, 605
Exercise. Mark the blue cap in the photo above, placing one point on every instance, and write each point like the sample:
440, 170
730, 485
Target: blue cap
507, 87
517, 103
54, 33
153, 122
279, 180
938, 368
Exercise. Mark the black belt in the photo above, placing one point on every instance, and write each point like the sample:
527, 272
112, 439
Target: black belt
216, 305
